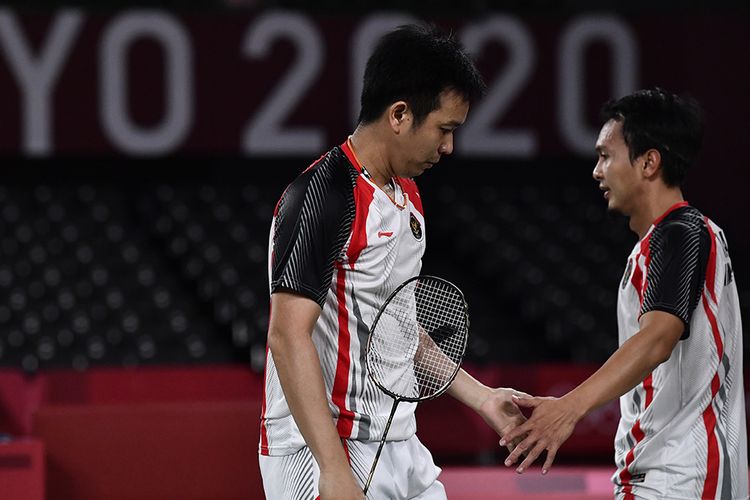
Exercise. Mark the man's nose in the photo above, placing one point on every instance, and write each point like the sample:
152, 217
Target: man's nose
446, 147
597, 173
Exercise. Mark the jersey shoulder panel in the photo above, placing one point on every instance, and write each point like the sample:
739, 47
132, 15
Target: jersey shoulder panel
311, 225
679, 248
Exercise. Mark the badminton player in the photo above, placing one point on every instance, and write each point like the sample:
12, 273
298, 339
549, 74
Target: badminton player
345, 234
678, 370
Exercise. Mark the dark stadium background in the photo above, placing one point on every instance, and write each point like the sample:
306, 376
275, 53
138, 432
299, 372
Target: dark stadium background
137, 189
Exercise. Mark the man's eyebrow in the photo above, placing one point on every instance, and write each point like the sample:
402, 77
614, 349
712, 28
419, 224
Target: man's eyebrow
452, 123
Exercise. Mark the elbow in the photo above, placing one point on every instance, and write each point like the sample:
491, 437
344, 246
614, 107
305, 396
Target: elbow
274, 340
660, 333
661, 352
662, 357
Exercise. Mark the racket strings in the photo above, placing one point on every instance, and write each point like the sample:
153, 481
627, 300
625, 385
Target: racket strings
441, 314
419, 339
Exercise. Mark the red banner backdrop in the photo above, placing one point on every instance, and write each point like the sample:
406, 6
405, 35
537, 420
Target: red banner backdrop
285, 83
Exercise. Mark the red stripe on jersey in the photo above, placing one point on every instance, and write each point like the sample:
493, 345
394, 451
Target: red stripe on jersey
648, 385
346, 450
711, 266
278, 203
363, 195
638, 279
341, 380
263, 431
638, 435
315, 162
712, 471
709, 415
409, 187
625, 475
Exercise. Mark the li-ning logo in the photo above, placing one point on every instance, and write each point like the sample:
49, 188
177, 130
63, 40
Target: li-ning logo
416, 227
386, 234
626, 276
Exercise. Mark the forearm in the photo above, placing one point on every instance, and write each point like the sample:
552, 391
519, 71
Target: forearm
469, 390
625, 369
298, 366
432, 366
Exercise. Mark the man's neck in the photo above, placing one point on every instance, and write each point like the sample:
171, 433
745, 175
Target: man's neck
653, 207
369, 148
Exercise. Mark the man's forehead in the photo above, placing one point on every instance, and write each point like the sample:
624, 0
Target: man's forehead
453, 108
610, 133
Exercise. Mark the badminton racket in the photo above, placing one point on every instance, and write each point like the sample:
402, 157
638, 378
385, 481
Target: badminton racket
416, 344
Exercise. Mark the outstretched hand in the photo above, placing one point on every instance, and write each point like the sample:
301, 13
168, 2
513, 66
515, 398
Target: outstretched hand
502, 414
550, 425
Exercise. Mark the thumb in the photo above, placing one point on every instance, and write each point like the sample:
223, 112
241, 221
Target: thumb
525, 402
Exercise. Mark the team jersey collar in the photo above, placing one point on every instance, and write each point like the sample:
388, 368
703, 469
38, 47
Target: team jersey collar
669, 211
348, 150
664, 216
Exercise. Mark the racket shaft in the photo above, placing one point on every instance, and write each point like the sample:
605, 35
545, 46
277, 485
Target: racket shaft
380, 447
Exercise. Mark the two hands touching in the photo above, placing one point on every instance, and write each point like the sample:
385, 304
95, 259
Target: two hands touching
502, 414
551, 423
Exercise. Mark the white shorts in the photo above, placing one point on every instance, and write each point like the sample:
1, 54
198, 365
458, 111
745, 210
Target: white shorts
405, 471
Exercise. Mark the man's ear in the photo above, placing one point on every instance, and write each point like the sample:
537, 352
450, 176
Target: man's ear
650, 163
399, 116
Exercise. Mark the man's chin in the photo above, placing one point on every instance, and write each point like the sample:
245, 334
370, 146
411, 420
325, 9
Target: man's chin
418, 171
614, 210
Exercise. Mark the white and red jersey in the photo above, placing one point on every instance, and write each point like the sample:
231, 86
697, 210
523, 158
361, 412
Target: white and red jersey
343, 242
682, 430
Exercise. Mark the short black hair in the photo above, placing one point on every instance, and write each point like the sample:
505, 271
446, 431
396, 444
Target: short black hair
416, 63
657, 119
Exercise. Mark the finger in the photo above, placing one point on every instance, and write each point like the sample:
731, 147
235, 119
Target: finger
530, 457
519, 450
514, 433
514, 455
550, 458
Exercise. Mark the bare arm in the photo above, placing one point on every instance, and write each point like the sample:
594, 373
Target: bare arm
554, 419
298, 366
493, 404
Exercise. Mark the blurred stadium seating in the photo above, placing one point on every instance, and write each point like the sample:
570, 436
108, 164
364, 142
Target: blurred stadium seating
143, 271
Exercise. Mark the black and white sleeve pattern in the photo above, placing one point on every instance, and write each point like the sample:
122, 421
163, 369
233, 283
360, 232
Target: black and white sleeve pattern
675, 277
312, 223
